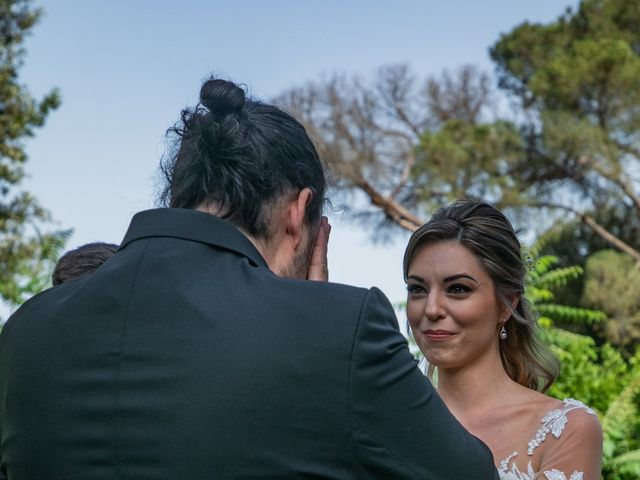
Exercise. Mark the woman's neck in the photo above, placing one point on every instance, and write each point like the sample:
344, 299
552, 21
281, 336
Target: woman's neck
474, 387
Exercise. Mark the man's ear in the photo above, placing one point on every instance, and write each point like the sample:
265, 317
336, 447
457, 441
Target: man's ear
296, 211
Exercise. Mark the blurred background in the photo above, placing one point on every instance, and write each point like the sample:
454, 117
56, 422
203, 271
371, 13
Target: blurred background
533, 106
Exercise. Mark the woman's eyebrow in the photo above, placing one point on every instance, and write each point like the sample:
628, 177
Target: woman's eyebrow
460, 275
448, 279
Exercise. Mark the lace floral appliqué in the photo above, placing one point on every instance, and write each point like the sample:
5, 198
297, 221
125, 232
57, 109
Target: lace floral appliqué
514, 473
558, 475
554, 423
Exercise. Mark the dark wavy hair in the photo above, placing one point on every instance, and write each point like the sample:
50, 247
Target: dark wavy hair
489, 235
240, 156
82, 261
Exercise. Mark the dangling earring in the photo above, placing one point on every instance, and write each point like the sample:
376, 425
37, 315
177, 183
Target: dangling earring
503, 332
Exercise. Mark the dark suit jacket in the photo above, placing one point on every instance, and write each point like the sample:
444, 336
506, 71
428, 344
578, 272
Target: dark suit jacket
185, 357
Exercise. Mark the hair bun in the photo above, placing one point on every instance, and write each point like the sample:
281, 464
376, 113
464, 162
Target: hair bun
222, 97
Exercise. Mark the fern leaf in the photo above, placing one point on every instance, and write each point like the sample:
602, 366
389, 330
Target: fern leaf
575, 315
543, 264
559, 276
627, 464
618, 423
535, 294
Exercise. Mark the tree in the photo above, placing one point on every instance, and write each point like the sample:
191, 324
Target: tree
409, 145
26, 252
367, 134
600, 376
578, 81
612, 285
569, 151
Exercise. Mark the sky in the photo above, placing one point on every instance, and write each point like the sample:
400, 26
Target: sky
125, 69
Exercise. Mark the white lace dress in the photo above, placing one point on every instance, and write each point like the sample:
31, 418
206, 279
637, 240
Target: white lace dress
553, 424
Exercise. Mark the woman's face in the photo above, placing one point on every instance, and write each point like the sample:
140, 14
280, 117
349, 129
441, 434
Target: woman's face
452, 306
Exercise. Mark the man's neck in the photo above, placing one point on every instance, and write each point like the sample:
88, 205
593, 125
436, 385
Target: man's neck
263, 247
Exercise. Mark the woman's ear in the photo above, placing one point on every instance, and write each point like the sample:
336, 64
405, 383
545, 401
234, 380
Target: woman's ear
514, 299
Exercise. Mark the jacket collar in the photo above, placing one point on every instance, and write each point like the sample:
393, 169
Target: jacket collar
191, 225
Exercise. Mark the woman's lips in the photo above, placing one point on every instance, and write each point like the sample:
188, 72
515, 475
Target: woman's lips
438, 334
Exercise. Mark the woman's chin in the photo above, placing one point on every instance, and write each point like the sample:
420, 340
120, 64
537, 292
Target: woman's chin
441, 362
435, 361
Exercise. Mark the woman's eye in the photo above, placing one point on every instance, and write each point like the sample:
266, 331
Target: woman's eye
415, 288
458, 289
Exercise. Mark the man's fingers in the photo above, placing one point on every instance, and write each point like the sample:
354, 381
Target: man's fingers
319, 255
318, 267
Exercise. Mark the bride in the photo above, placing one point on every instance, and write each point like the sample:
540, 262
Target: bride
466, 309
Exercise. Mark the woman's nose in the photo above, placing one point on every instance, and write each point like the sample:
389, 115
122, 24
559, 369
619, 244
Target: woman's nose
434, 309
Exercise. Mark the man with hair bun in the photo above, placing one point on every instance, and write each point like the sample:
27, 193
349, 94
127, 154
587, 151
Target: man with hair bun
203, 349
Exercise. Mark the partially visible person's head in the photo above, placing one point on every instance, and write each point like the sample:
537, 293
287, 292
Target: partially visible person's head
82, 261
245, 161
485, 240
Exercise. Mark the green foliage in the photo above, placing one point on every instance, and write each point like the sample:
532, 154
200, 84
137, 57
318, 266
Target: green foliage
589, 373
569, 154
612, 284
625, 466
578, 79
621, 427
585, 63
25, 251
468, 160
600, 376
32, 268
542, 279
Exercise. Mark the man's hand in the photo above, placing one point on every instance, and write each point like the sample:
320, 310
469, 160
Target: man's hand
318, 267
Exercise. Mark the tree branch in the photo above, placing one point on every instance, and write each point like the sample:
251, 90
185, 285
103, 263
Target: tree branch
627, 148
623, 183
598, 229
392, 209
404, 178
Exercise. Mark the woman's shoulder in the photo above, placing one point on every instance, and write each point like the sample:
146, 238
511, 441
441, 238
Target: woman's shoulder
573, 442
559, 439
567, 418
581, 415
573, 415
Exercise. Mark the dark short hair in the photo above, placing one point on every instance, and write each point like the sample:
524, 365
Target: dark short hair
82, 261
240, 156
488, 234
